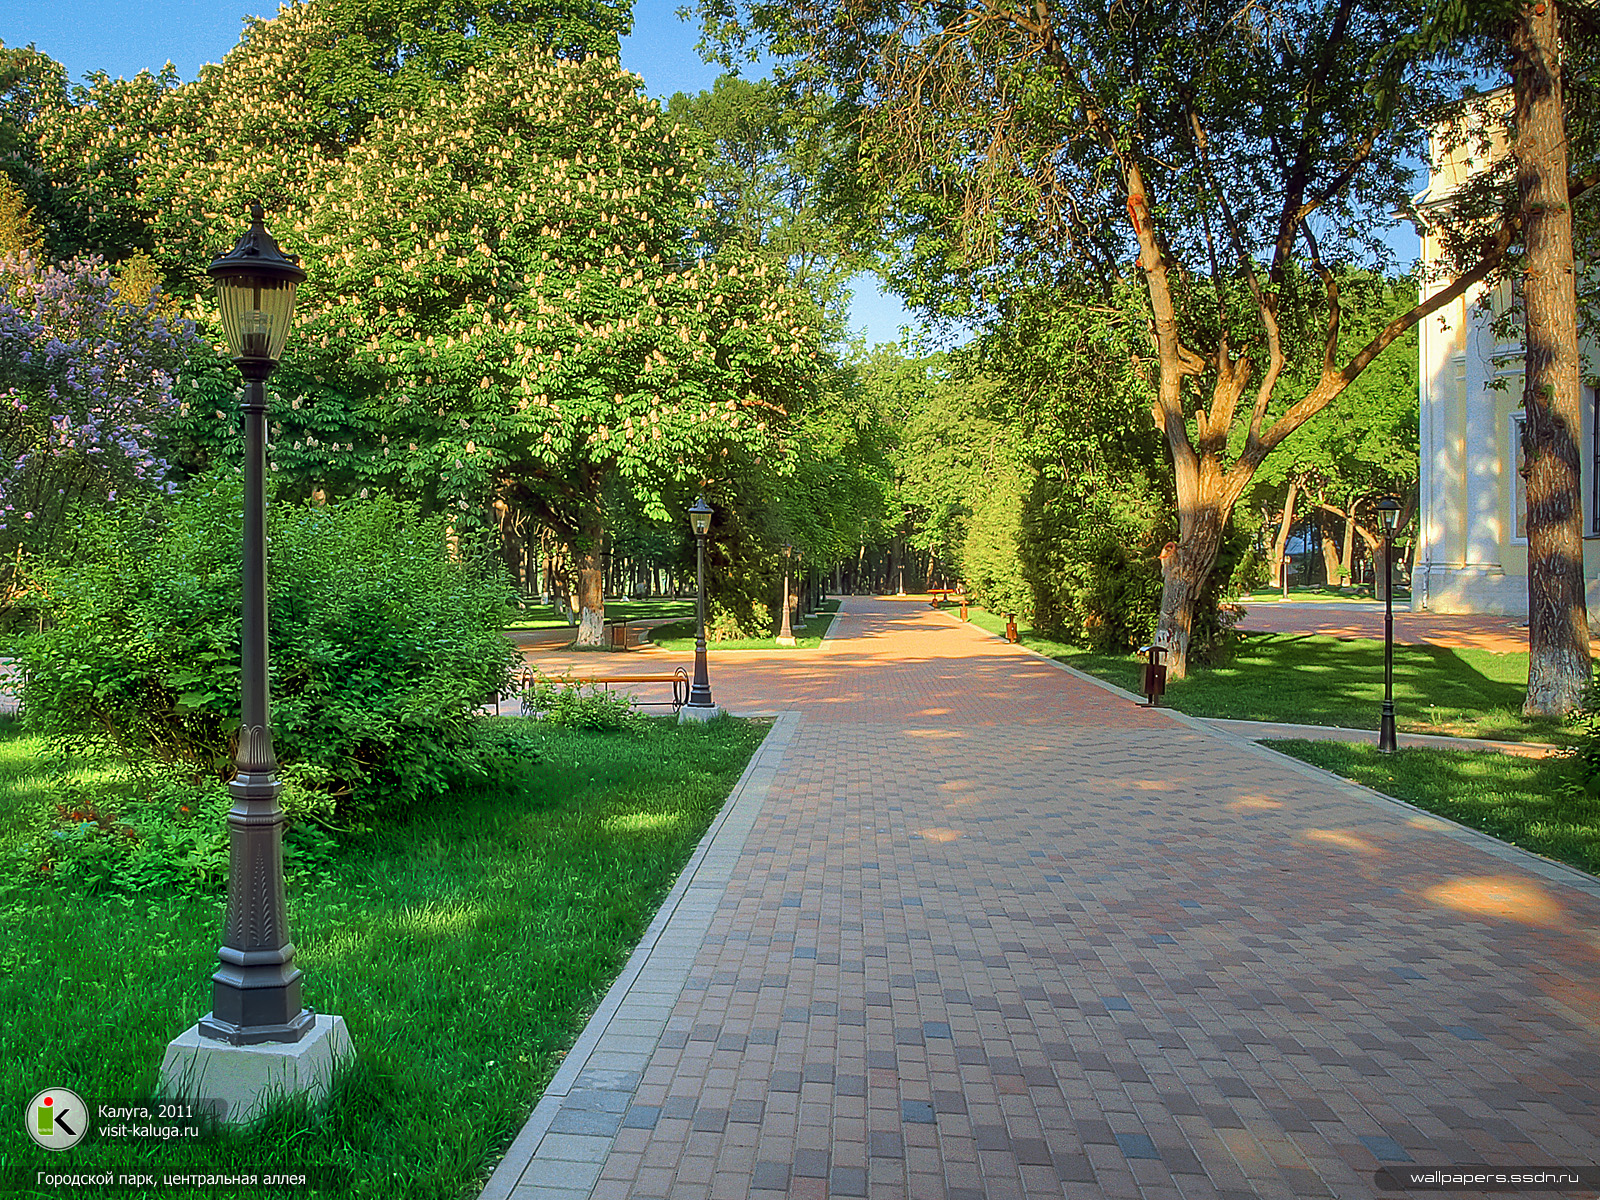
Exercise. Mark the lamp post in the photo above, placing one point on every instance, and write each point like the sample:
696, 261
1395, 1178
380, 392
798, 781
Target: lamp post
1389, 511
700, 706
786, 633
255, 992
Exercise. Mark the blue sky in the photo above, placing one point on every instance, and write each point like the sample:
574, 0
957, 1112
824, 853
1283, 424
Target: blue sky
123, 37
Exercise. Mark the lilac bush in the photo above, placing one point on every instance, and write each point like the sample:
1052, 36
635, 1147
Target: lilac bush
86, 378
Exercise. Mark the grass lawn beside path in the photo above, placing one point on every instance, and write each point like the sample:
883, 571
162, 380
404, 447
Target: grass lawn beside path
1312, 679
465, 946
1532, 803
808, 635
544, 616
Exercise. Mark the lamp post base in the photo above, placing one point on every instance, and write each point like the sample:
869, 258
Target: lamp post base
1387, 743
785, 641
698, 712
240, 1081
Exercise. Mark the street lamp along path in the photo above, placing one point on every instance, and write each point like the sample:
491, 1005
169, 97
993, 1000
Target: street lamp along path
1389, 510
700, 706
258, 1038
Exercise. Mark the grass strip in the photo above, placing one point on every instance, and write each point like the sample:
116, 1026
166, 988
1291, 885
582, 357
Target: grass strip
1313, 679
1533, 803
808, 634
465, 946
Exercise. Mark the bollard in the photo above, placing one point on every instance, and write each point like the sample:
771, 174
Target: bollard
1011, 627
1155, 674
963, 608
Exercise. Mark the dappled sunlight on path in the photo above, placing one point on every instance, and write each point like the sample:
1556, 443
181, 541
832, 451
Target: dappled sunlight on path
992, 929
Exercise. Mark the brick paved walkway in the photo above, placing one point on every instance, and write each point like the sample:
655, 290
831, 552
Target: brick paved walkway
975, 926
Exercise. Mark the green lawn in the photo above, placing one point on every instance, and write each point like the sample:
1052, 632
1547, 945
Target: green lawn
1532, 803
465, 948
541, 616
807, 635
1319, 680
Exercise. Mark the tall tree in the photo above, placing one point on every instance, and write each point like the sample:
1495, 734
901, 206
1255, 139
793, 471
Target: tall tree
1215, 154
510, 284
1558, 621
1548, 50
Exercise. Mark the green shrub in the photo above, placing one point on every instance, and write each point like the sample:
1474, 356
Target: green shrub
733, 616
988, 554
1092, 555
578, 706
382, 647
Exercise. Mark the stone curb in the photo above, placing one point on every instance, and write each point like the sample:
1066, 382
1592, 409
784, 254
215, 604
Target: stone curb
550, 1163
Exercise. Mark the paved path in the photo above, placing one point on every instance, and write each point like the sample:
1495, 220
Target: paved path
975, 926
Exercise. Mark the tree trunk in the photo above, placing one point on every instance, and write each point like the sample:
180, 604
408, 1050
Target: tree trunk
1558, 619
591, 576
1281, 542
1184, 570
1330, 558
1347, 552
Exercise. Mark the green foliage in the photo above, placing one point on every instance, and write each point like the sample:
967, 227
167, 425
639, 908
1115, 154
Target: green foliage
735, 617
382, 647
989, 554
771, 159
1365, 443
1092, 553
580, 706
1584, 724
157, 832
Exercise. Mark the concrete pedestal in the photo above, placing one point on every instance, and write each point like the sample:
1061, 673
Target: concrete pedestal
698, 712
244, 1078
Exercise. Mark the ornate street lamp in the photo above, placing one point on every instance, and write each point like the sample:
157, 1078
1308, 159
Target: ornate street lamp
786, 633
1389, 511
255, 993
700, 706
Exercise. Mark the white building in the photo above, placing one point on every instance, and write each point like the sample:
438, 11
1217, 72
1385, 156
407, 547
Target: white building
1472, 556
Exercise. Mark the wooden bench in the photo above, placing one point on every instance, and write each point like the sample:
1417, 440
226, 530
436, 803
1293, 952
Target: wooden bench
679, 680
941, 594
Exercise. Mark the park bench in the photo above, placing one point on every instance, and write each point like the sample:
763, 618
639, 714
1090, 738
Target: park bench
679, 679
940, 595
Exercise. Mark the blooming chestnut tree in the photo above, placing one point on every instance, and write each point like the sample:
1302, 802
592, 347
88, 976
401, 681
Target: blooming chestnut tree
513, 276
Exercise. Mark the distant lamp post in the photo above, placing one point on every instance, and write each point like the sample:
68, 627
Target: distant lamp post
700, 706
1286, 561
258, 1036
786, 634
1389, 511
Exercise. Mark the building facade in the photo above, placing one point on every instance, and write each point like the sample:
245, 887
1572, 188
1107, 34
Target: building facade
1472, 553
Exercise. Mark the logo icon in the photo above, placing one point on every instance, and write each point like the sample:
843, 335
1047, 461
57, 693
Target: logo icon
57, 1119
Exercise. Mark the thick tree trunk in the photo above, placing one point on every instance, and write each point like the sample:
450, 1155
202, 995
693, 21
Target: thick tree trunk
1185, 567
591, 577
1330, 557
1558, 619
